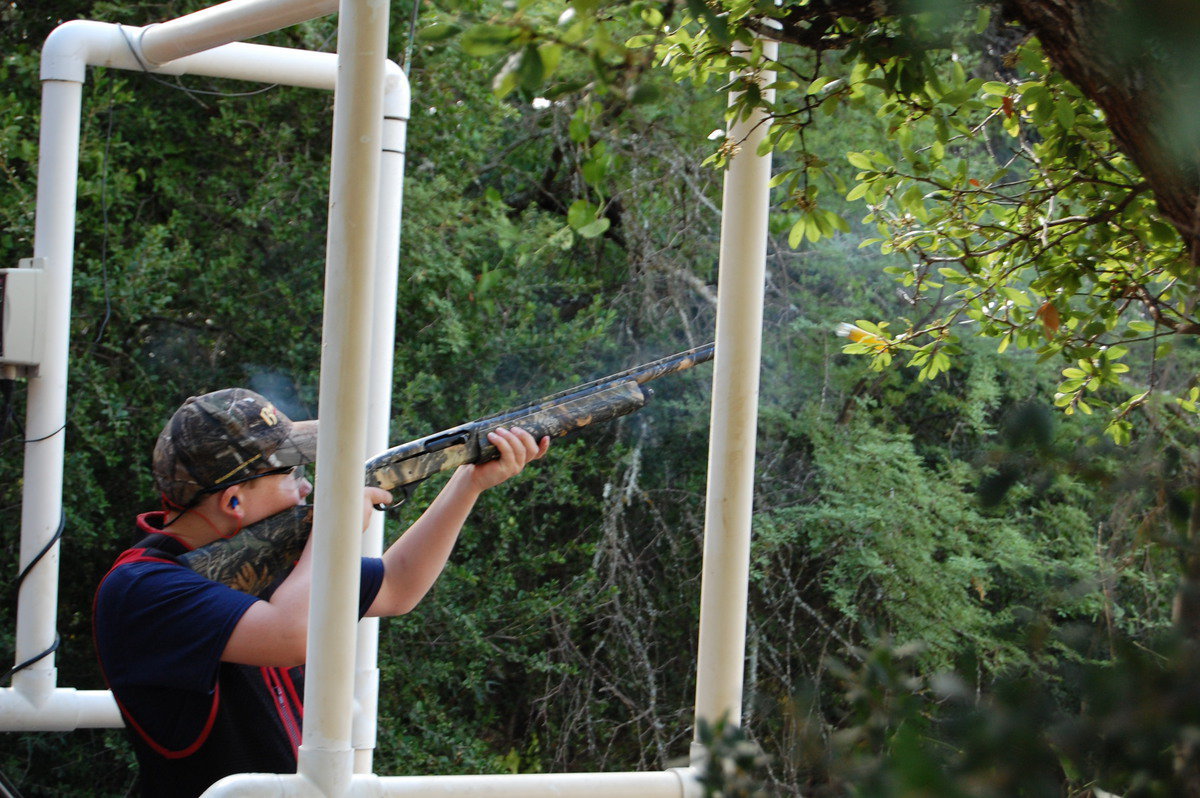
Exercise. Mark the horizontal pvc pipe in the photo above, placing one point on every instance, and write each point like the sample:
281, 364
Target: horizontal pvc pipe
63, 709
660, 784
263, 785
73, 46
676, 783
228, 22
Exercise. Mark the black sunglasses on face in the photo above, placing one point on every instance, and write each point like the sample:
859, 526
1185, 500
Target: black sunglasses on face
296, 472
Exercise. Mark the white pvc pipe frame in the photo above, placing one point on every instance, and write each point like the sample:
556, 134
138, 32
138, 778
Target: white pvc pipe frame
370, 115
34, 703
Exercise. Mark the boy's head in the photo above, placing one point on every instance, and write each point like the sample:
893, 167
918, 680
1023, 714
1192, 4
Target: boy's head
224, 438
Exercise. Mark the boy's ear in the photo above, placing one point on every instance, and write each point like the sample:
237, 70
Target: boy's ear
230, 502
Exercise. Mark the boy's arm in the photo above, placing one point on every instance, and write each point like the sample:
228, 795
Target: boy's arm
274, 632
412, 564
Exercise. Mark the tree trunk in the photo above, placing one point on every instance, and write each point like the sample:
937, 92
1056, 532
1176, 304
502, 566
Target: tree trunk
1136, 99
1142, 91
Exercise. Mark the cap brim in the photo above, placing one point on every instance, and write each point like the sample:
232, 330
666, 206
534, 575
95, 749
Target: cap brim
300, 446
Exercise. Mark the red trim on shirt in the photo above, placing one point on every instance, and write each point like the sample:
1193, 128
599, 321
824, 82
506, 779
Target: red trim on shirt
297, 702
287, 716
139, 555
167, 753
145, 523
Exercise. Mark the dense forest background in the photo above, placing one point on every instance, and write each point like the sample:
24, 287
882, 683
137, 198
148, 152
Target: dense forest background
962, 577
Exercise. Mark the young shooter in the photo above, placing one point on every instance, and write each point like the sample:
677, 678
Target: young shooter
203, 673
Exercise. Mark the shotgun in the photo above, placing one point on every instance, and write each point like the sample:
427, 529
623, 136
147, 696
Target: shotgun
405, 466
262, 553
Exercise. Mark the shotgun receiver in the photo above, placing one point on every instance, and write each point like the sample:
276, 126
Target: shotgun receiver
262, 553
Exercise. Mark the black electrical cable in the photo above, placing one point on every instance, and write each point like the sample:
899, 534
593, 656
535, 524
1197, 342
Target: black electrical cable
57, 536
54, 539
104, 213
406, 64
7, 418
45, 437
179, 86
23, 665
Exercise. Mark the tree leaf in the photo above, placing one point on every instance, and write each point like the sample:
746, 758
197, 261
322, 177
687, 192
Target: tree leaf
485, 40
581, 213
594, 228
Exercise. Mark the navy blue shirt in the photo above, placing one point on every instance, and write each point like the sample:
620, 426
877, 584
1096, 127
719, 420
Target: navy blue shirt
160, 629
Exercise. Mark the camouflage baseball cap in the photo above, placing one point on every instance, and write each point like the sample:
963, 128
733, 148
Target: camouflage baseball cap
223, 437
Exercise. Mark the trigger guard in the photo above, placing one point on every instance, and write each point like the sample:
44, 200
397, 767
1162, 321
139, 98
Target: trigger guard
405, 491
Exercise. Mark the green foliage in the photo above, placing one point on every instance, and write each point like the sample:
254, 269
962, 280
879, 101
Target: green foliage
1122, 726
994, 185
908, 541
1024, 217
560, 224
734, 766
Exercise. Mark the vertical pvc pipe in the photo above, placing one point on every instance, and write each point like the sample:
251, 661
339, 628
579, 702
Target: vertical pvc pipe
395, 122
45, 426
725, 579
325, 755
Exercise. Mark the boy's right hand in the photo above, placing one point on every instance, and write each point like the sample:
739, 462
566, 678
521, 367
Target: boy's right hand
371, 498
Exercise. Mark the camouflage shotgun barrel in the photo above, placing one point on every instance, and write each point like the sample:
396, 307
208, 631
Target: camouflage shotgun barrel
604, 399
264, 552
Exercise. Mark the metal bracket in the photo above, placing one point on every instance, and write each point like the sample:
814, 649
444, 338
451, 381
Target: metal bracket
22, 318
